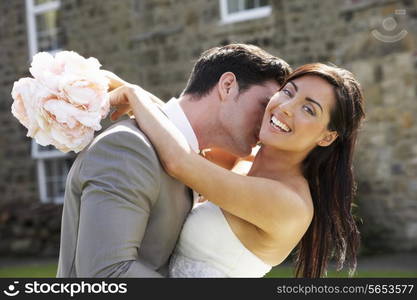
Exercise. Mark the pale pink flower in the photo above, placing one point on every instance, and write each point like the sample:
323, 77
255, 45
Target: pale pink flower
65, 102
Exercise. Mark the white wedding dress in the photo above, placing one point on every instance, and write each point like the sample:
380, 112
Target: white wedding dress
207, 247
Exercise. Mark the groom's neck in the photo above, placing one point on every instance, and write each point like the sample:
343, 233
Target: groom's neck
202, 115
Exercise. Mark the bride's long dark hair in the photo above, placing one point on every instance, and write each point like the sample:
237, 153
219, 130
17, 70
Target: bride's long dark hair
333, 233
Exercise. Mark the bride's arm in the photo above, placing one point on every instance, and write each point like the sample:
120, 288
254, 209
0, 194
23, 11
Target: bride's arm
268, 204
116, 82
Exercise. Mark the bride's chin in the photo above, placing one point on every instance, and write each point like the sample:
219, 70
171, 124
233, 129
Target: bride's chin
269, 141
262, 138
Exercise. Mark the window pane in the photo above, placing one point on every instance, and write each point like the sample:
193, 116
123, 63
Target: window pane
49, 41
249, 4
45, 148
56, 171
232, 6
47, 21
48, 33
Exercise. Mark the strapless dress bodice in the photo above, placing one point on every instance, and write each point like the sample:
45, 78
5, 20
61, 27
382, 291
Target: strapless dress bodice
207, 247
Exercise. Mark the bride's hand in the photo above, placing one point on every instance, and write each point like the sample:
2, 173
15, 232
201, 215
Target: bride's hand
119, 99
114, 80
125, 98
118, 95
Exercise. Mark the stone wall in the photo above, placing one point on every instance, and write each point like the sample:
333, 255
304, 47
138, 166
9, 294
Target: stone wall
155, 43
18, 170
30, 230
386, 160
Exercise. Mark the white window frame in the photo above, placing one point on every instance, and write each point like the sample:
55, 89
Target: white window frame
242, 15
38, 154
31, 11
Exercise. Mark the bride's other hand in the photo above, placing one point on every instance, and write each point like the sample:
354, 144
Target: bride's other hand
117, 95
114, 80
119, 99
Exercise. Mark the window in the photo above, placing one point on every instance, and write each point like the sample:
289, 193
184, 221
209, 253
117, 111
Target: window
52, 175
45, 34
41, 152
242, 10
43, 26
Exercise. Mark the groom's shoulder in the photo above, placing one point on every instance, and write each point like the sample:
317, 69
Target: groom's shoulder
123, 133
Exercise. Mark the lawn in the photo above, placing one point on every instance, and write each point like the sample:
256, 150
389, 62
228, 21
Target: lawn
285, 272
49, 270
33, 270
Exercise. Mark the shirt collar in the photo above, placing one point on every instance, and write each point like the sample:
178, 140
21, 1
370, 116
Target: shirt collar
176, 114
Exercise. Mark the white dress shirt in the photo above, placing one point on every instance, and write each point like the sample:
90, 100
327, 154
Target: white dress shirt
176, 115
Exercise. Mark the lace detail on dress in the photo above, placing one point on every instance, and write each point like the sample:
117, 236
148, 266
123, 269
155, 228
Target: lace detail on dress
183, 267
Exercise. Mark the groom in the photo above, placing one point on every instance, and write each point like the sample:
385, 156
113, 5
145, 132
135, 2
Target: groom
122, 213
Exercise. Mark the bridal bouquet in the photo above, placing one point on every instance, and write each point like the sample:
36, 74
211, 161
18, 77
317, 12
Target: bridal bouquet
65, 101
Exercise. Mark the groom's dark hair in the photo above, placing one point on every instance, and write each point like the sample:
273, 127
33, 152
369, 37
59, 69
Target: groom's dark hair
250, 64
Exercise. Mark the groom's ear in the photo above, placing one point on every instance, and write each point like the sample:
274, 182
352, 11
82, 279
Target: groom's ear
227, 86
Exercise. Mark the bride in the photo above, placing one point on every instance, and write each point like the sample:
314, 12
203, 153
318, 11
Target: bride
297, 194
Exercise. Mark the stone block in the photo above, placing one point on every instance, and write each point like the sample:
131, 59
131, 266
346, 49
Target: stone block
22, 246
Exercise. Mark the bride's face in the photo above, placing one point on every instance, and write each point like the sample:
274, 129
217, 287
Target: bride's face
297, 117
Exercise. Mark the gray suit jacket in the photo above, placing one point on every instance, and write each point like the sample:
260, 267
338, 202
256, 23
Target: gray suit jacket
122, 213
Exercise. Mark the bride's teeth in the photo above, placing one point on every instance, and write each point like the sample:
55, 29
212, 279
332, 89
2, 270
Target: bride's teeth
279, 124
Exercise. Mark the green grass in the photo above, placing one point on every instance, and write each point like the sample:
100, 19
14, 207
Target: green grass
48, 270
35, 270
287, 272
